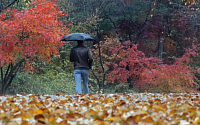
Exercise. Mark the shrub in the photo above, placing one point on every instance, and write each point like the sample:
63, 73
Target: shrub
149, 74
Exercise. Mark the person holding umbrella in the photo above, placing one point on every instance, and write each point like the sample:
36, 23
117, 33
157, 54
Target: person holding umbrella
82, 59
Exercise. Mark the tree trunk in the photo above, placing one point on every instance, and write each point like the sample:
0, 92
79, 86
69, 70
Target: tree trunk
160, 46
7, 78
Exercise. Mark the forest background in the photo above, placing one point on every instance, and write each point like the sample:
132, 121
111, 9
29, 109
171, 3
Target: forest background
141, 46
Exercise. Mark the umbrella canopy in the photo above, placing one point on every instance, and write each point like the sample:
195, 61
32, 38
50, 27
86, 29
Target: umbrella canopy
77, 36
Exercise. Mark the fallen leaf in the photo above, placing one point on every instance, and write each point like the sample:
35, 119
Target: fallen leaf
115, 119
147, 120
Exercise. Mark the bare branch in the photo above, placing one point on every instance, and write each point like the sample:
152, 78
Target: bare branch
10, 4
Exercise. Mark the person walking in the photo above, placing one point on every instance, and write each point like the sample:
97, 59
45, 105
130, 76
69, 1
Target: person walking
82, 59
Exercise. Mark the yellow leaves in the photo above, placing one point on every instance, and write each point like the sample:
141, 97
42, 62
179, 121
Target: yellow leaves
27, 115
59, 111
172, 112
38, 111
144, 112
92, 112
62, 102
14, 123
158, 108
102, 109
3, 115
107, 100
147, 120
197, 121
137, 119
51, 119
115, 119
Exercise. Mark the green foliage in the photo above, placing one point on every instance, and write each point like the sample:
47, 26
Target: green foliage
18, 4
22, 4
119, 88
48, 78
48, 83
110, 88
106, 26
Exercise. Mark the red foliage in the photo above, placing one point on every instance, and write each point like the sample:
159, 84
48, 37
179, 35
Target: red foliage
35, 32
149, 74
178, 77
136, 62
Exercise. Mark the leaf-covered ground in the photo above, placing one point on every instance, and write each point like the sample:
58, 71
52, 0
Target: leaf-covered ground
101, 109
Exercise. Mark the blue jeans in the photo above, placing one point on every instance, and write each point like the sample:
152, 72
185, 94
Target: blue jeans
80, 74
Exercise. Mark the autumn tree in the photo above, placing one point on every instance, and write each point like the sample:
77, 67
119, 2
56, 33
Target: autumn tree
28, 35
157, 26
148, 73
178, 77
162, 28
171, 26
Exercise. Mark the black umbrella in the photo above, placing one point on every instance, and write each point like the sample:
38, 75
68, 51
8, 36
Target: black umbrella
77, 36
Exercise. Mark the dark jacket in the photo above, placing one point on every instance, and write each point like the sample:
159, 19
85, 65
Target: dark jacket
81, 57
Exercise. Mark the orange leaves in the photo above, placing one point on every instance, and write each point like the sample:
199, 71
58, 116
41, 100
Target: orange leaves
107, 51
189, 1
35, 32
2, 16
148, 120
197, 121
106, 109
